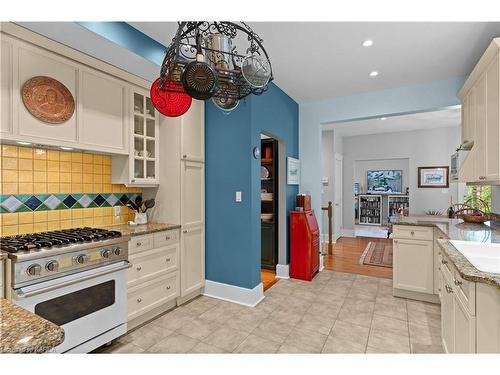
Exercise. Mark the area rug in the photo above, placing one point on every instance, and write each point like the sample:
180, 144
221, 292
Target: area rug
377, 254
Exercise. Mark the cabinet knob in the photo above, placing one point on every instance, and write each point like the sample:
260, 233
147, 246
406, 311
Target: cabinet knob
167, 238
133, 180
167, 260
139, 300
139, 268
482, 177
168, 287
448, 289
138, 244
184, 156
412, 233
443, 261
184, 231
395, 241
458, 282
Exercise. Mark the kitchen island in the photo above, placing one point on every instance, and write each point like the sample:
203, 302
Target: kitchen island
24, 332
430, 265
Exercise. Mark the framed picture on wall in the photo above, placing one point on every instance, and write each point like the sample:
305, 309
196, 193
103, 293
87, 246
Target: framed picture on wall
292, 171
433, 177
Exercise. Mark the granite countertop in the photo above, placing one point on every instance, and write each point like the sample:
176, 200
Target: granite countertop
457, 229
139, 230
24, 332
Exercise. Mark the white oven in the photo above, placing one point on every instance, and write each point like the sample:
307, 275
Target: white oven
91, 306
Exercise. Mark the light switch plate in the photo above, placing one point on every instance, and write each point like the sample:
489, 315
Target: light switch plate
116, 210
238, 196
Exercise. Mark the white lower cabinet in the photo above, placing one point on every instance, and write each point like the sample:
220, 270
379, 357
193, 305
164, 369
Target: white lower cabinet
192, 260
152, 294
447, 315
154, 275
465, 328
413, 264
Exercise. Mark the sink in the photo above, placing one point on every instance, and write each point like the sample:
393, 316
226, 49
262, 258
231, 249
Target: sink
484, 256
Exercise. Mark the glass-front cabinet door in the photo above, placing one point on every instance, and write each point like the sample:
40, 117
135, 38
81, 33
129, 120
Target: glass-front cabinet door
144, 155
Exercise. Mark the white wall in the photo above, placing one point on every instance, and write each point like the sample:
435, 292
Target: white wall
421, 148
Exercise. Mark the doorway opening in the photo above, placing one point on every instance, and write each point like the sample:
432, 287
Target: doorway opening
269, 206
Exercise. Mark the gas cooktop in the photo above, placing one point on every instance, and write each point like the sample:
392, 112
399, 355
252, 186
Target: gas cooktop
59, 238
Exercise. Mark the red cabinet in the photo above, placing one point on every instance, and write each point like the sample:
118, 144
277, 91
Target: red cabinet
304, 245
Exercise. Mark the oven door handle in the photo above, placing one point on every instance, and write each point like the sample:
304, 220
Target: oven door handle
27, 292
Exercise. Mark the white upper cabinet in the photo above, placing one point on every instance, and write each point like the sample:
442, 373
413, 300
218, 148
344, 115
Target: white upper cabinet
192, 132
34, 62
141, 166
193, 193
103, 120
492, 150
5, 88
480, 98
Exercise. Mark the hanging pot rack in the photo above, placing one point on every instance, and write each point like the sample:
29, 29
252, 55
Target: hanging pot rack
190, 39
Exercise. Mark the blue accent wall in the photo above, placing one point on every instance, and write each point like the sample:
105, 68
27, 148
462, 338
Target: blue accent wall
232, 240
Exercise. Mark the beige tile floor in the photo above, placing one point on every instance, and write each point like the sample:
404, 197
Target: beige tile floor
335, 313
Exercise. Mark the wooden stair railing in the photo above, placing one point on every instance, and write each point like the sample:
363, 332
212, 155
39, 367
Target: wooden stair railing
329, 210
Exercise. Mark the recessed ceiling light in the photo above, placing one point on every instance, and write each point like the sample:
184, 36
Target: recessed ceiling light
374, 73
23, 143
66, 148
383, 118
368, 43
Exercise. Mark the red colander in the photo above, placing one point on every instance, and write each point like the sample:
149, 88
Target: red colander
170, 100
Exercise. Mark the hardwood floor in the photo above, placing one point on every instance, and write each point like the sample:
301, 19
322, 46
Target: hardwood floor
268, 278
346, 254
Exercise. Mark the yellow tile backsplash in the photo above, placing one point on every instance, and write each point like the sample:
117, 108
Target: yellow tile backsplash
28, 170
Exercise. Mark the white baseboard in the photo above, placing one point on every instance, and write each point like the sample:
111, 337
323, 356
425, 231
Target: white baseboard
283, 271
236, 294
348, 233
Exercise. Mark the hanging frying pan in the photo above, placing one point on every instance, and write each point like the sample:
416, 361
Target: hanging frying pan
256, 70
169, 100
225, 104
199, 79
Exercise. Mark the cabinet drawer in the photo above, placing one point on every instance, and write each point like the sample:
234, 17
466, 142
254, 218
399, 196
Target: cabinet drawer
140, 243
152, 294
152, 263
446, 267
166, 238
413, 233
466, 292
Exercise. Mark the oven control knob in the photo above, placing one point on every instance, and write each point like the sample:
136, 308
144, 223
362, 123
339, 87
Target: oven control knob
52, 266
34, 270
81, 259
117, 251
106, 253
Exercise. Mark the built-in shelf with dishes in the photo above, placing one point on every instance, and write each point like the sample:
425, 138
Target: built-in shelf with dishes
269, 204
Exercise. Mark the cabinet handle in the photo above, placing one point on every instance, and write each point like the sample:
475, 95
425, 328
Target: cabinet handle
133, 180
412, 233
139, 300
184, 231
448, 289
168, 287
443, 261
139, 268
167, 238
138, 244
482, 177
184, 156
458, 282
395, 241
168, 260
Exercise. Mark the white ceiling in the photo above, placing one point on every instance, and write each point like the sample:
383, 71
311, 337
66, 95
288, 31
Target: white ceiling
318, 60
417, 121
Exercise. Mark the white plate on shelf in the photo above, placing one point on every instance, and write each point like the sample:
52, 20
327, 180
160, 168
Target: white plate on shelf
264, 172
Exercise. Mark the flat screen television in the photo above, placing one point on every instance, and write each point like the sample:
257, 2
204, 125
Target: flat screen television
384, 181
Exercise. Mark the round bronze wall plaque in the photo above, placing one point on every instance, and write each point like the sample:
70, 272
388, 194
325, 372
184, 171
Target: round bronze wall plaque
48, 100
